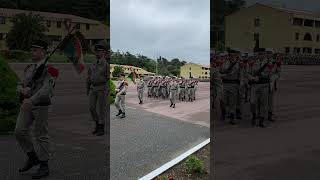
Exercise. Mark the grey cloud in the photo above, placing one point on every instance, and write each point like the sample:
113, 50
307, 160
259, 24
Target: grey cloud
171, 28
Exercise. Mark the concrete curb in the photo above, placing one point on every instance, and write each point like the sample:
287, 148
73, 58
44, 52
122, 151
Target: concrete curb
175, 161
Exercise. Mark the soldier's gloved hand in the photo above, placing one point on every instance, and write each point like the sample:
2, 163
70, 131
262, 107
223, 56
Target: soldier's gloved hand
26, 104
26, 92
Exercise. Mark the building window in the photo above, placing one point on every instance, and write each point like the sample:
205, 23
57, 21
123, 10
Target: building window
317, 24
48, 23
58, 24
297, 21
206, 73
308, 22
1, 36
256, 22
296, 50
287, 50
2, 20
78, 26
307, 37
317, 51
297, 36
190, 68
88, 26
256, 36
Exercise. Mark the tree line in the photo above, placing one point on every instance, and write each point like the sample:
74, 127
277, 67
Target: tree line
165, 67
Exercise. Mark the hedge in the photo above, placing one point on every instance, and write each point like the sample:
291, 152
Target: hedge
112, 87
9, 100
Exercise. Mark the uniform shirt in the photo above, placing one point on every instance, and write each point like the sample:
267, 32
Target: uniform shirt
122, 87
230, 74
173, 86
140, 84
98, 75
42, 89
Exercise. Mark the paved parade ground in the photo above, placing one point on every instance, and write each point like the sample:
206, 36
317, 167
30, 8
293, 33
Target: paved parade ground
289, 148
142, 142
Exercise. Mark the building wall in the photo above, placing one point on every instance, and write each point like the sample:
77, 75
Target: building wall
276, 29
94, 34
197, 71
127, 70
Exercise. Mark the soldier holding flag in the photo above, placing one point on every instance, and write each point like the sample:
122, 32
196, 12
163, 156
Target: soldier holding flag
36, 92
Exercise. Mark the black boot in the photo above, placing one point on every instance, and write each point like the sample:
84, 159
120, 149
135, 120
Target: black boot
100, 130
261, 124
232, 121
270, 117
174, 105
95, 129
33, 160
238, 114
171, 105
43, 170
123, 115
119, 113
253, 119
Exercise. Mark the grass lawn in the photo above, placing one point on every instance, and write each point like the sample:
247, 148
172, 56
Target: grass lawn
180, 171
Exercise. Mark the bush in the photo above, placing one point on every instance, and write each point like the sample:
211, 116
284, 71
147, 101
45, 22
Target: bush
112, 87
9, 100
194, 165
16, 55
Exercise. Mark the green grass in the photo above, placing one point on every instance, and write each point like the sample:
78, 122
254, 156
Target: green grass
194, 165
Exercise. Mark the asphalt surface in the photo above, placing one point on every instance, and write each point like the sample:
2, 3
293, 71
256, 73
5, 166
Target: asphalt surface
289, 148
140, 143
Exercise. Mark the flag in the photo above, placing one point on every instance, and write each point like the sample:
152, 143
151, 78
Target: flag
132, 76
73, 50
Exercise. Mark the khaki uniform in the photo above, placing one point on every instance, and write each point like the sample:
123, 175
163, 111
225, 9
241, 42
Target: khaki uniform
173, 92
140, 89
120, 99
97, 84
41, 94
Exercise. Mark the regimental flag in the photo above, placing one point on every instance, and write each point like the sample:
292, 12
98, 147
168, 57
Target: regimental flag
132, 76
73, 50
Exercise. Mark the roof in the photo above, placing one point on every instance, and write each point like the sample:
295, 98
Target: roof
48, 15
288, 10
205, 66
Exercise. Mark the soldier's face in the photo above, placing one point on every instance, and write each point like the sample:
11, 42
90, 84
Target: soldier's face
100, 54
37, 54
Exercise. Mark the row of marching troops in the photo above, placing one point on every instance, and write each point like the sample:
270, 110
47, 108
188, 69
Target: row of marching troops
302, 59
171, 88
240, 78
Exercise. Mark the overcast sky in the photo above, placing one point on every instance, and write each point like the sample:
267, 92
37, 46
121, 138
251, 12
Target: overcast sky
310, 5
170, 28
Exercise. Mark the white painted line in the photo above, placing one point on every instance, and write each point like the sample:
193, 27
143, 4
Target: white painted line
175, 161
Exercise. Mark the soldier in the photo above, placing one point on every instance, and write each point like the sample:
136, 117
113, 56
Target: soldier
230, 78
216, 81
261, 87
150, 87
97, 88
140, 88
121, 91
36, 92
173, 92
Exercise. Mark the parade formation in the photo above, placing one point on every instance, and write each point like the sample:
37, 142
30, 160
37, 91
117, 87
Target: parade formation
240, 78
165, 87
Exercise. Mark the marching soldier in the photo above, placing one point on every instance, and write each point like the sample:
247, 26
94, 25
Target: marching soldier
97, 88
173, 92
140, 88
150, 87
121, 91
36, 92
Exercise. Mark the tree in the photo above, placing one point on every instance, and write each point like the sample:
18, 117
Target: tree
26, 28
117, 71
